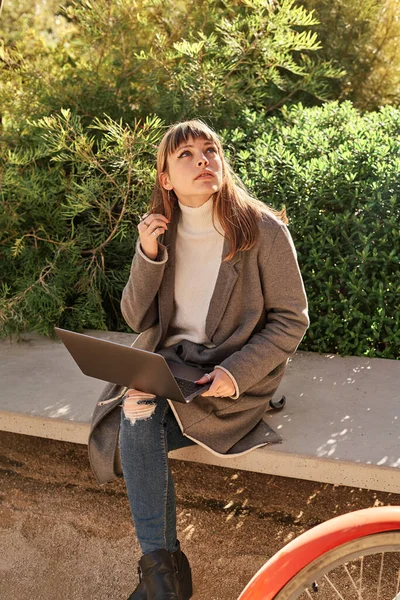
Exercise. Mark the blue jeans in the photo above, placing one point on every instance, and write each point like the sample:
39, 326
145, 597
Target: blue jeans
144, 447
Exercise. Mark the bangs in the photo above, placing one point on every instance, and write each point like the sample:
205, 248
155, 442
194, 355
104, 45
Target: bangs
182, 132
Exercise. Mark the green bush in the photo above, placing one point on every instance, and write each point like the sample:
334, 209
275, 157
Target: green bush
363, 37
68, 214
338, 174
130, 59
71, 199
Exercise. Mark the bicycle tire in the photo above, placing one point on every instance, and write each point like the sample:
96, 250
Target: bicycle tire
318, 541
364, 546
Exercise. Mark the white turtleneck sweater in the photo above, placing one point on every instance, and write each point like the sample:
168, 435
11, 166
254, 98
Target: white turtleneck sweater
198, 255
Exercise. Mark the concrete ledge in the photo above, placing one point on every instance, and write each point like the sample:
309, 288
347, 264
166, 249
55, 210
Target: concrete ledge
273, 462
46, 427
263, 460
340, 424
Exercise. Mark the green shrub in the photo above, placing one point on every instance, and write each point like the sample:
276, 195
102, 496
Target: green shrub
72, 197
130, 59
68, 215
338, 174
363, 37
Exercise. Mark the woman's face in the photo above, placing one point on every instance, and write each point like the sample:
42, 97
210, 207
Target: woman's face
194, 171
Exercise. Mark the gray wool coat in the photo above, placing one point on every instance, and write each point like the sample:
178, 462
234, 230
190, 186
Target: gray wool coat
257, 317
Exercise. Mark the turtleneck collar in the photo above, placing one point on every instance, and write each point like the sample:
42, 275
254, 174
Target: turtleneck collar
197, 219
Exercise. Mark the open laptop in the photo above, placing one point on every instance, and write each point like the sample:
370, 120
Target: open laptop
136, 369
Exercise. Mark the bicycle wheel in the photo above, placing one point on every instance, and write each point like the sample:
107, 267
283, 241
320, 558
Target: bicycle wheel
367, 568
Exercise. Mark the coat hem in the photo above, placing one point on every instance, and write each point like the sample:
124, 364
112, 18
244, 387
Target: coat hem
215, 452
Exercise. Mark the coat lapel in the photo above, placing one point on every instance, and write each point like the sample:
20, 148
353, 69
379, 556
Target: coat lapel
227, 275
167, 291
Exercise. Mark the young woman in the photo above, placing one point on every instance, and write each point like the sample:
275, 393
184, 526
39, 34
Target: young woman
214, 283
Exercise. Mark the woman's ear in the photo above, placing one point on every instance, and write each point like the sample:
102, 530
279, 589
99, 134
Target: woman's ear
164, 181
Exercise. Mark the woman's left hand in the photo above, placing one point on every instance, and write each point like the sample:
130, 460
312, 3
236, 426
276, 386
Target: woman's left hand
221, 386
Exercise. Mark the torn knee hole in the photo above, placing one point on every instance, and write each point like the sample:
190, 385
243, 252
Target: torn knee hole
138, 410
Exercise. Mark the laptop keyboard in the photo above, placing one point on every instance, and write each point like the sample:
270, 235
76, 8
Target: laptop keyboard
187, 387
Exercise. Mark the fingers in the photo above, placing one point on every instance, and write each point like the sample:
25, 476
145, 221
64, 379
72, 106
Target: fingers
153, 223
205, 379
221, 384
157, 231
150, 227
147, 218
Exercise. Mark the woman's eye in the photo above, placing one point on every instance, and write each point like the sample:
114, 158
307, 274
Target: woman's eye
210, 149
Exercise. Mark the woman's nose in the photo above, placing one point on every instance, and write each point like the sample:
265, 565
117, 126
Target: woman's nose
202, 161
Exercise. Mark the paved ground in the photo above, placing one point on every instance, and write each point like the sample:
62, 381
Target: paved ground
63, 537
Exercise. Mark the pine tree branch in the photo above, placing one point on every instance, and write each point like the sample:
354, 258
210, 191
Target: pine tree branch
45, 272
285, 98
123, 210
37, 237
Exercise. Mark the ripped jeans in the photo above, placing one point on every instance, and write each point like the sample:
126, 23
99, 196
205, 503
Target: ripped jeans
144, 446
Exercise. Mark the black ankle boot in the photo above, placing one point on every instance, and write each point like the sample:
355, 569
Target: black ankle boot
159, 572
140, 592
184, 578
184, 573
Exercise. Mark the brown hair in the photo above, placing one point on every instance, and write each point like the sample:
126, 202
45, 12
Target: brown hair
237, 211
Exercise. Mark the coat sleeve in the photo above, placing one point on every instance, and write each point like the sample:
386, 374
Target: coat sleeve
139, 297
286, 315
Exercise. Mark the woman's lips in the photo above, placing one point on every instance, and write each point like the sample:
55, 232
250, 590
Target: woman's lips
205, 176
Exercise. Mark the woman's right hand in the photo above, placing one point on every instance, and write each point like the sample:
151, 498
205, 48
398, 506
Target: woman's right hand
149, 229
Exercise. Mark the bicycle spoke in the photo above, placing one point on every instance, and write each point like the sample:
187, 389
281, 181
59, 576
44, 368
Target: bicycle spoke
361, 574
365, 568
380, 577
355, 575
336, 590
353, 583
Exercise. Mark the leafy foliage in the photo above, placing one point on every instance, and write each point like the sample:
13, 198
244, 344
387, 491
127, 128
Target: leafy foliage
363, 37
71, 205
67, 220
84, 95
129, 59
337, 173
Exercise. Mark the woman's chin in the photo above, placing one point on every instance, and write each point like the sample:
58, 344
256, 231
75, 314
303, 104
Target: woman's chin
211, 186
